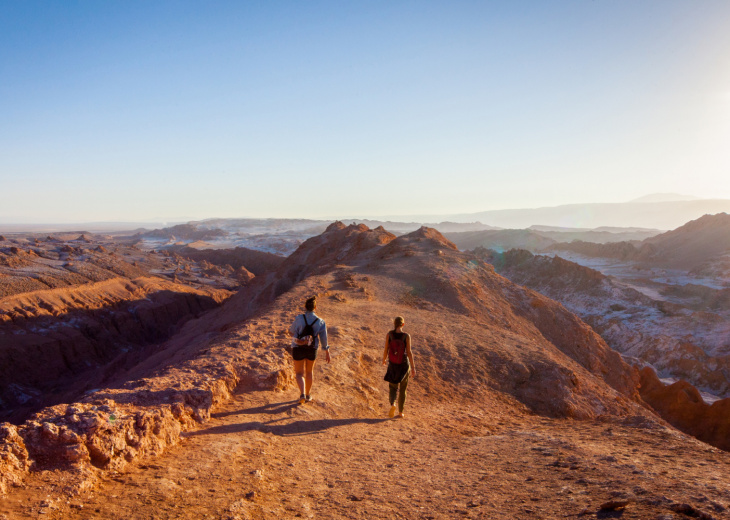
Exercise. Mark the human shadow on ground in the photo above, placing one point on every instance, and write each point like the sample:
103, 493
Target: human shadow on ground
270, 408
291, 429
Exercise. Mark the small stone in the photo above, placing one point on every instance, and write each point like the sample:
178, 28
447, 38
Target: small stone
613, 505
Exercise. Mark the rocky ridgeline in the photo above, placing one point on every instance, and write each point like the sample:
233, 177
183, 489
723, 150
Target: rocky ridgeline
617, 250
633, 323
136, 418
502, 239
651, 331
436, 277
89, 307
695, 246
84, 333
184, 231
100, 434
502, 348
255, 262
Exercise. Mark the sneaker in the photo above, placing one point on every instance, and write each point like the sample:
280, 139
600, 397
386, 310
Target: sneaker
301, 399
391, 413
308, 398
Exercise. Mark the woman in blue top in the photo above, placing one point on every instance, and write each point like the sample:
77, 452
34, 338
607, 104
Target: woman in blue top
308, 332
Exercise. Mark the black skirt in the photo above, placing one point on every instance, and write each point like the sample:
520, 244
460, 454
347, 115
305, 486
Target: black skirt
396, 372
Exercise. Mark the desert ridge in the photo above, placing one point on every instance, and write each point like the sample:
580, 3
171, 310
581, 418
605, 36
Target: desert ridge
506, 357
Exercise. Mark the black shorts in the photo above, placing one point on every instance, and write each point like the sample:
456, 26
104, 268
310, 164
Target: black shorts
304, 352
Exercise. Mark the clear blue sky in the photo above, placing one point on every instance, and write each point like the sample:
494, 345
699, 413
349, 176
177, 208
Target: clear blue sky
136, 110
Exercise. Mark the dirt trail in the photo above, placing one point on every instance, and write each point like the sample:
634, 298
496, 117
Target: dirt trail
264, 456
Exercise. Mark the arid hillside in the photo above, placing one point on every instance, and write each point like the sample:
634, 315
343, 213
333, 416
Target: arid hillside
682, 332
518, 408
501, 240
540, 238
700, 247
692, 245
686, 343
256, 262
76, 307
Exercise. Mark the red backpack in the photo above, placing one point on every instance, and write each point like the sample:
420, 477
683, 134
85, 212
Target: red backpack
396, 348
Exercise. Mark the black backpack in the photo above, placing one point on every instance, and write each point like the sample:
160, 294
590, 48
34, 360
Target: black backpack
308, 329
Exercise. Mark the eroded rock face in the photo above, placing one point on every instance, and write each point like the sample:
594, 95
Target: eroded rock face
103, 436
257, 262
682, 406
685, 341
78, 331
13, 457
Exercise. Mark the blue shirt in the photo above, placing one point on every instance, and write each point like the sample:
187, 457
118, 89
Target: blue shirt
319, 328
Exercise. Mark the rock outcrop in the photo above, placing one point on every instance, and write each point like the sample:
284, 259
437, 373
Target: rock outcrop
13, 457
257, 262
56, 343
682, 405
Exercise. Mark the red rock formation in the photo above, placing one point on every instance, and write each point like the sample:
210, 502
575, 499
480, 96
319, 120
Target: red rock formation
78, 330
257, 262
682, 406
479, 337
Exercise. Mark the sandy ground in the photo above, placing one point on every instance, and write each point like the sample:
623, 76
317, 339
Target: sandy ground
264, 456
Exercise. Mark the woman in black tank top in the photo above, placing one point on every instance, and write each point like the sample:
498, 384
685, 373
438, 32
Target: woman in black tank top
399, 358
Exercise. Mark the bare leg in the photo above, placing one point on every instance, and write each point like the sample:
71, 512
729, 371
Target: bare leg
309, 375
299, 371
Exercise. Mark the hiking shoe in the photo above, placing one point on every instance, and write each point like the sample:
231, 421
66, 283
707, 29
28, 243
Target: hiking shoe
308, 398
391, 413
301, 399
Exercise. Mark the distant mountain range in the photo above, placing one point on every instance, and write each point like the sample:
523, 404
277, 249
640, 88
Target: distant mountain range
664, 197
658, 211
645, 212
701, 245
